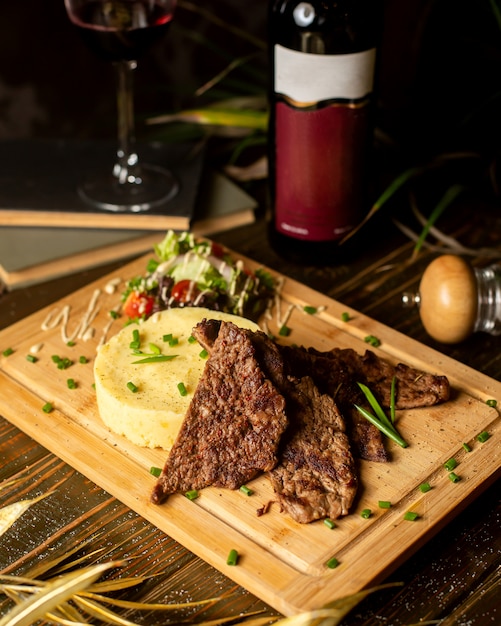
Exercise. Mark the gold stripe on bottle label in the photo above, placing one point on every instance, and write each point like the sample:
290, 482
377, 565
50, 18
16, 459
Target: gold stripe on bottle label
348, 105
305, 77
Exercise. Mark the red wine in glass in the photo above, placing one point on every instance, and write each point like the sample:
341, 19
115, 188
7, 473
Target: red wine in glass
120, 31
117, 32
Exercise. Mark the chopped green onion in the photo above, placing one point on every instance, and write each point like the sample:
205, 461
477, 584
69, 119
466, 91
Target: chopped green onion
167, 338
155, 471
483, 436
136, 340
154, 348
61, 362
157, 358
83, 360
376, 407
374, 341
8, 352
47, 407
232, 558
493, 403
450, 464
454, 477
366, 513
191, 339
392, 398
192, 494
424, 487
466, 447
380, 420
114, 315
389, 432
411, 516
246, 490
284, 331
329, 523
182, 389
332, 563
310, 310
70, 343
132, 387
173, 342
31, 358
71, 383
203, 354
345, 317
384, 504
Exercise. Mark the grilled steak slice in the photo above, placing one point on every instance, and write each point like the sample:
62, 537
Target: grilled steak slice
233, 425
267, 352
333, 377
414, 388
330, 373
206, 332
316, 475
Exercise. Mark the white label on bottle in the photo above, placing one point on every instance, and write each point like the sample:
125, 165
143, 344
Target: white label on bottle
306, 77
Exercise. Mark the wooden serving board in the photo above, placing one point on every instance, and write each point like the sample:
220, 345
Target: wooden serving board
281, 561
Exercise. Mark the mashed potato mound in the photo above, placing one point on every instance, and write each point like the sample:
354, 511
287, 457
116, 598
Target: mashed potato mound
152, 415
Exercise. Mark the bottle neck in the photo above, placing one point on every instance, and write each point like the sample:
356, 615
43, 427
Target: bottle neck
489, 299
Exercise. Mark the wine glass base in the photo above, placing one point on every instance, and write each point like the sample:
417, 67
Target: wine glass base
152, 188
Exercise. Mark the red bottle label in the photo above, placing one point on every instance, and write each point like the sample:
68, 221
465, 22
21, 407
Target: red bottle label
314, 198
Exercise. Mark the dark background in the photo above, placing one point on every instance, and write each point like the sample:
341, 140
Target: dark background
439, 80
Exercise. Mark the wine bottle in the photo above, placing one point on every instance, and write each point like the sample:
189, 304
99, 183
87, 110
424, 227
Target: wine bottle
323, 59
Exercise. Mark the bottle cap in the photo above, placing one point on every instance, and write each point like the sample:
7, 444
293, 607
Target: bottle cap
448, 299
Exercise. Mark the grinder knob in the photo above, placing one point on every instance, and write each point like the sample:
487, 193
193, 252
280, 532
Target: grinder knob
448, 296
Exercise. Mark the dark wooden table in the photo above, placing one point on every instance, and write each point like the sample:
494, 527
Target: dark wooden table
454, 579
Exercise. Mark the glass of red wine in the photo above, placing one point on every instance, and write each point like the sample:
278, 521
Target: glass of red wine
120, 31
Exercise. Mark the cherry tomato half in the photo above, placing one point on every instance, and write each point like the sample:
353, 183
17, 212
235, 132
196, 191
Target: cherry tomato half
184, 291
138, 305
217, 250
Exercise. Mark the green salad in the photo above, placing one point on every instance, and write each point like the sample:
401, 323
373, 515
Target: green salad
187, 272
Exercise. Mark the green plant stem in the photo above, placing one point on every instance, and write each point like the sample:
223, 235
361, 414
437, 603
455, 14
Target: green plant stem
449, 196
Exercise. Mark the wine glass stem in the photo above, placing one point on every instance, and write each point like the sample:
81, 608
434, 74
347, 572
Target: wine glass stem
126, 167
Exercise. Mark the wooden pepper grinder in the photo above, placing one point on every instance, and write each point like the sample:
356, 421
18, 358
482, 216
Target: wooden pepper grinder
456, 300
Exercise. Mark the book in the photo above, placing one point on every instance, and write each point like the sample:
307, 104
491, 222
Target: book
31, 254
39, 180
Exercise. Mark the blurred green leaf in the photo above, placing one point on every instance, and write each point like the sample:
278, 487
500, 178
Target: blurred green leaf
447, 199
496, 9
212, 116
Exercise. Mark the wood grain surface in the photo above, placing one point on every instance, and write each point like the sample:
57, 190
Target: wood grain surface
282, 562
